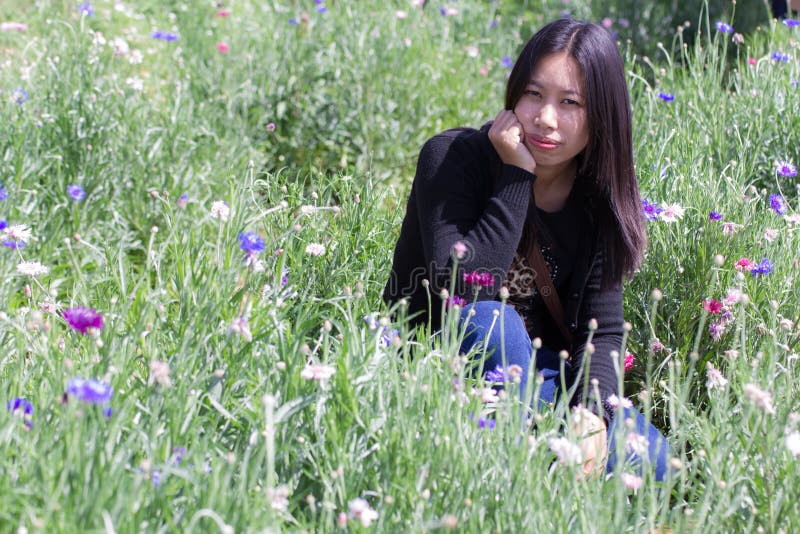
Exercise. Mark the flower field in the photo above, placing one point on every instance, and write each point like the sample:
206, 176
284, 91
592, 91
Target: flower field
198, 206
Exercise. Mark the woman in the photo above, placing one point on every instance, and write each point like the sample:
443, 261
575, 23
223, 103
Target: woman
552, 174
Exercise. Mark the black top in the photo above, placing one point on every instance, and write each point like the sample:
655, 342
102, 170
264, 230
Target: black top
462, 191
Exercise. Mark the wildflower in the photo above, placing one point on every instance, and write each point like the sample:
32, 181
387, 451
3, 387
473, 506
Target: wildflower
12, 26
223, 47
31, 268
733, 296
455, 300
744, 264
3, 195
159, 374
222, 13
293, 21
778, 203
86, 9
135, 83
3, 224
714, 378
251, 243
714, 216
631, 481
712, 306
23, 408
183, 200
507, 62
651, 209
568, 453
241, 327
90, 391
764, 267
164, 36
279, 498
496, 375
484, 279
486, 423
628, 363
770, 234
672, 213
321, 9
220, 210
657, 346
666, 97
716, 330
791, 23
780, 56
618, 402
19, 96
315, 249
81, 318
489, 395
177, 454
459, 249
389, 335
637, 444
793, 443
785, 168
762, 398
317, 372
723, 27
155, 477
271, 127
76, 192
359, 509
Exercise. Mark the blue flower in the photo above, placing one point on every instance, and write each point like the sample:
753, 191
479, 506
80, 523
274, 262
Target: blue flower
780, 56
777, 203
3, 224
293, 21
19, 96
322, 9
85, 8
714, 216
76, 192
786, 169
723, 27
21, 407
496, 375
3, 192
183, 200
177, 454
651, 209
765, 267
483, 422
251, 243
666, 97
389, 335
155, 477
791, 23
507, 62
90, 391
164, 36
13, 245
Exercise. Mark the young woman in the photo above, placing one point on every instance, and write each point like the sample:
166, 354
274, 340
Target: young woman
551, 178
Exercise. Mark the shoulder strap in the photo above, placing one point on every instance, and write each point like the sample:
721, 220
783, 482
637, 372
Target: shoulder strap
544, 283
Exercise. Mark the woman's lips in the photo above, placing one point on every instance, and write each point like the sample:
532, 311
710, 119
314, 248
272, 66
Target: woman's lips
542, 142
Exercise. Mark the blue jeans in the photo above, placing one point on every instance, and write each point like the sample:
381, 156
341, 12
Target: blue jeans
517, 350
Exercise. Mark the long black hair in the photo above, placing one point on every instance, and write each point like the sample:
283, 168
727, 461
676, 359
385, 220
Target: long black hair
606, 164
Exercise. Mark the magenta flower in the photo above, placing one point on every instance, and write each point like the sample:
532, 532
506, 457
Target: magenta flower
479, 279
786, 168
81, 319
455, 300
629, 359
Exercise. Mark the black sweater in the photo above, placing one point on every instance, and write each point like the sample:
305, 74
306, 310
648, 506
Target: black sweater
462, 191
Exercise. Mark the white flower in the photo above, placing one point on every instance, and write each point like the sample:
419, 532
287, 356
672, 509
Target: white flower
793, 443
18, 232
631, 481
489, 395
135, 83
120, 46
317, 372
567, 452
637, 444
135, 57
401, 14
359, 509
307, 209
315, 249
770, 234
733, 297
220, 210
31, 268
616, 402
241, 326
792, 219
714, 378
762, 398
672, 213
729, 228
159, 373
786, 324
279, 498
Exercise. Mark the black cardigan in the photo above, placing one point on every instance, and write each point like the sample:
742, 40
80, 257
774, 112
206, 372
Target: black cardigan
462, 191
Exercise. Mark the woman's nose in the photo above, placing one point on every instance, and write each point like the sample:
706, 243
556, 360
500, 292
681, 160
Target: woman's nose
548, 117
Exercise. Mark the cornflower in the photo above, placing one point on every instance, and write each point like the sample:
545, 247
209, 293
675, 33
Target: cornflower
76, 192
617, 402
315, 249
631, 481
31, 268
81, 318
712, 306
637, 444
628, 363
793, 443
220, 210
90, 391
19, 96
86, 9
507, 62
23, 408
455, 300
3, 193
714, 378
666, 97
780, 57
791, 23
714, 216
651, 209
716, 330
251, 243
164, 36
764, 267
318, 372
744, 264
672, 213
785, 168
778, 203
722, 27
567, 452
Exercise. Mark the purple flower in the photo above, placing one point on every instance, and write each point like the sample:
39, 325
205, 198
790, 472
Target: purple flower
284, 277
666, 97
714, 216
322, 9
777, 203
716, 330
651, 209
496, 375
455, 300
76, 192
765, 267
182, 200
85, 8
786, 169
723, 27
483, 422
81, 319
13, 245
155, 477
90, 391
507, 62
293, 21
3, 224
791, 23
389, 335
780, 56
3, 194
19, 96
177, 454
23, 407
164, 36
251, 243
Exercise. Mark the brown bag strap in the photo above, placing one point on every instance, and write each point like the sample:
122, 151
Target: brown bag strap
544, 283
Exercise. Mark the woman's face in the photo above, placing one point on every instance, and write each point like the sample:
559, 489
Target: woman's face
552, 111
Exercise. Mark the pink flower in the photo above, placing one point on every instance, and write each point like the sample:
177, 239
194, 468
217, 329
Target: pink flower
81, 319
455, 300
271, 127
761, 398
712, 306
744, 264
751, 61
12, 26
631, 481
479, 279
317, 372
222, 13
223, 47
459, 249
629, 359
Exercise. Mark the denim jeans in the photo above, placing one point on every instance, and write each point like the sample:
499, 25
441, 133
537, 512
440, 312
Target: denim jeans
515, 349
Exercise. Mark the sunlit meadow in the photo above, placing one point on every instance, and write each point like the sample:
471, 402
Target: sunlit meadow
198, 206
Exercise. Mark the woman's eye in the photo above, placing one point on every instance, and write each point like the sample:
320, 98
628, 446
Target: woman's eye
532, 92
570, 102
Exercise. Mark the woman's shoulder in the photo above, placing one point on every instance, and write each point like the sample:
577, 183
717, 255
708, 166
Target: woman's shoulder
462, 143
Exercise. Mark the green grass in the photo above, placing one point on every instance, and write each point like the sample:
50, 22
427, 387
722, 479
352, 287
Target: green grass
352, 101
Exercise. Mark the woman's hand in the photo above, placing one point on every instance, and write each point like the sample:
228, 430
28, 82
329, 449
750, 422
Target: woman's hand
590, 433
507, 136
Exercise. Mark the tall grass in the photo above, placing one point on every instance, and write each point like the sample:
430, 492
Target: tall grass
309, 133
